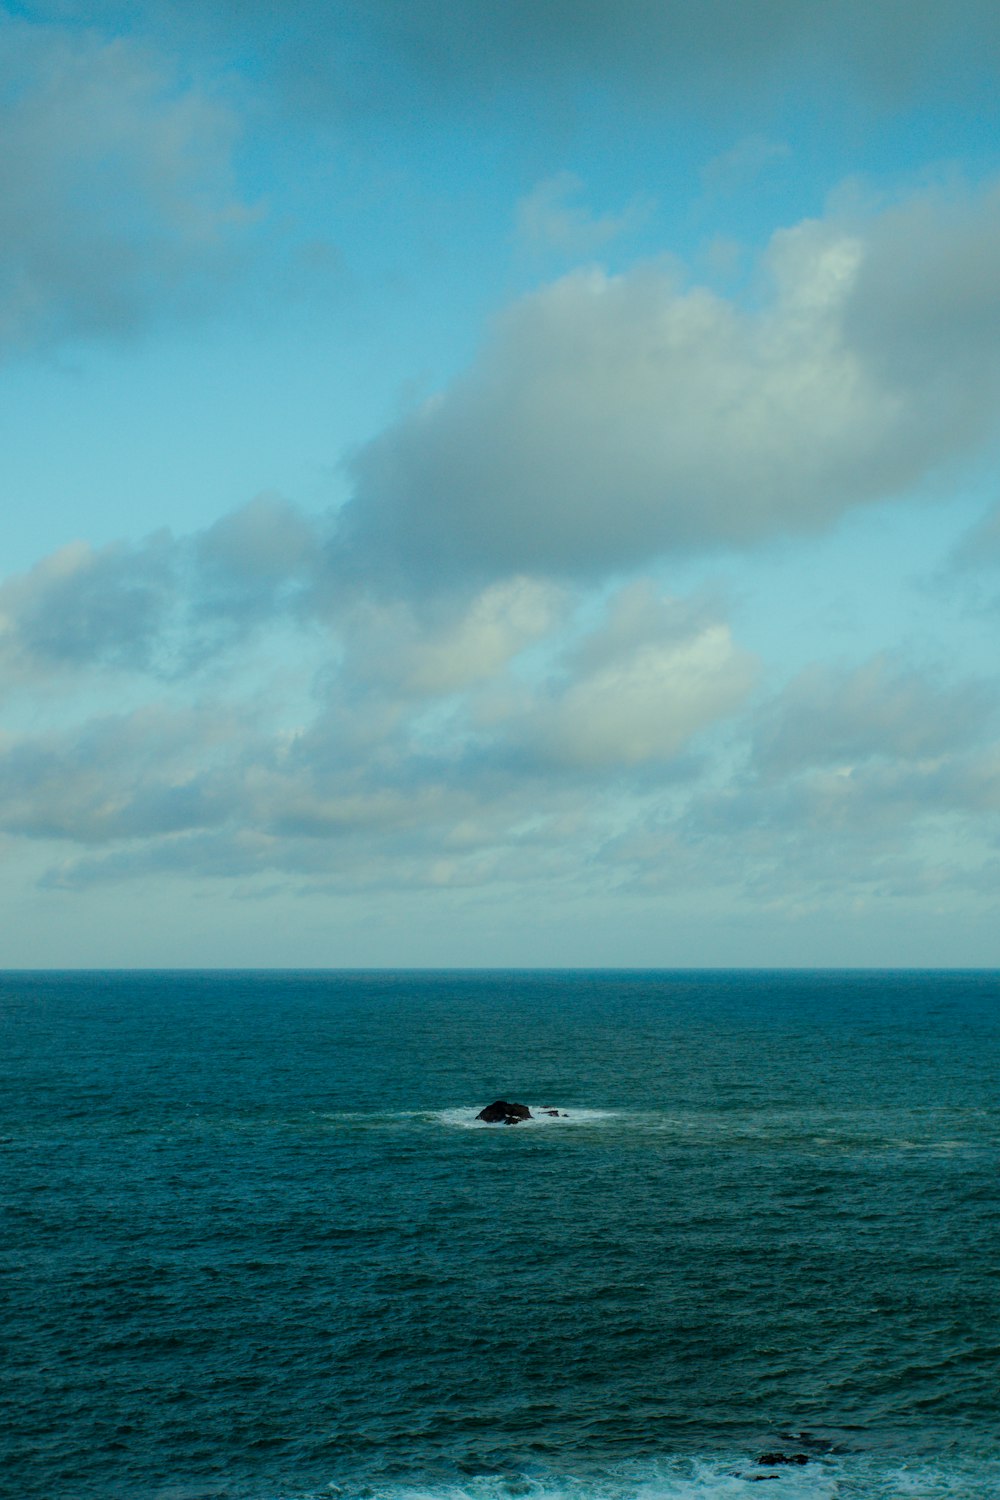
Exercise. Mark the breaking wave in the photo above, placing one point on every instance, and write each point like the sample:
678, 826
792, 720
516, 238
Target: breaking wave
854, 1477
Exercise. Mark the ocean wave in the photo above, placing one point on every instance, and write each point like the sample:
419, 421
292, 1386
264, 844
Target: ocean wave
731, 1477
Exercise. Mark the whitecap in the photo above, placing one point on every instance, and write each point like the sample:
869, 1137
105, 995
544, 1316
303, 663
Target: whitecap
729, 1477
465, 1118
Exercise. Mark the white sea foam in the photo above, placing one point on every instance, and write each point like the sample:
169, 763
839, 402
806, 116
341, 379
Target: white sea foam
857, 1477
465, 1118
686, 1480
732, 1129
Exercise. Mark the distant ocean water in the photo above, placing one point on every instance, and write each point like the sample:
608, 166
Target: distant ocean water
254, 1246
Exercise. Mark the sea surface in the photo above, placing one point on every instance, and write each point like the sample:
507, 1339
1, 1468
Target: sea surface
255, 1246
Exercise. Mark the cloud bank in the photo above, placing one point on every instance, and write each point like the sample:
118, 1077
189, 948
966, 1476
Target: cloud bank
426, 746
524, 734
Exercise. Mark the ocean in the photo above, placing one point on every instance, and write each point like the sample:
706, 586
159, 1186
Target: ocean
255, 1245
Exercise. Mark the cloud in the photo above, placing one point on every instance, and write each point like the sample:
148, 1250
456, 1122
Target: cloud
637, 689
852, 788
446, 645
568, 772
164, 605
611, 419
879, 779
877, 805
925, 308
744, 163
123, 776
400, 55
81, 606
116, 192
523, 686
980, 547
839, 717
255, 563
549, 221
449, 742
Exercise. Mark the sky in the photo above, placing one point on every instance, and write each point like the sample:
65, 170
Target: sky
500, 482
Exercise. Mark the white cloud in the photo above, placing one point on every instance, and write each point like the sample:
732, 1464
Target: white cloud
444, 646
612, 418
637, 689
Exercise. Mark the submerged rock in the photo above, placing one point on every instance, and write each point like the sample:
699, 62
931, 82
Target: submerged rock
773, 1459
500, 1112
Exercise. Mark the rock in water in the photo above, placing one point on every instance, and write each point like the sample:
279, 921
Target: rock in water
502, 1113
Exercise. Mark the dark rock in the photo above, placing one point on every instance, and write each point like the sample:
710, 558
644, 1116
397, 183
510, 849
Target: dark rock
553, 1112
500, 1112
772, 1459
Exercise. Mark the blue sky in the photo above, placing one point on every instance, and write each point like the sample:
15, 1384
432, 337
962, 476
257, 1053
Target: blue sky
500, 483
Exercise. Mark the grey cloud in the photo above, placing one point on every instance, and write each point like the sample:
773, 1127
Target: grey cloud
125, 776
608, 419
256, 563
980, 548
823, 841
884, 707
263, 807
167, 604
82, 606
116, 196
883, 44
866, 754
880, 805
877, 783
398, 55
925, 307
428, 856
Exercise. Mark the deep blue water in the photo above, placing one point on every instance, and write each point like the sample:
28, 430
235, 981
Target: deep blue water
254, 1247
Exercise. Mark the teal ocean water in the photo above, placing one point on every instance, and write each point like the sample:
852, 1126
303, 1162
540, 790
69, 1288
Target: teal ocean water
255, 1246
